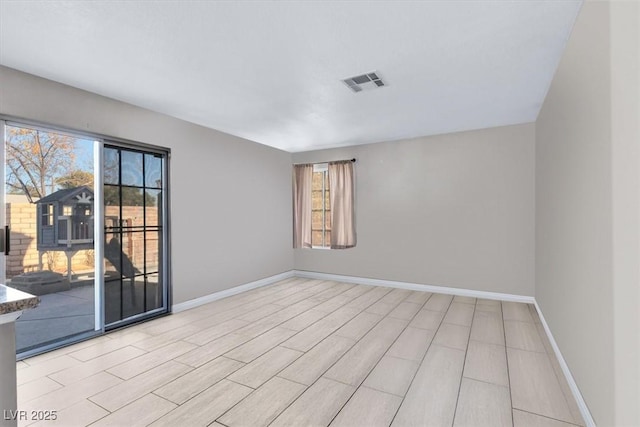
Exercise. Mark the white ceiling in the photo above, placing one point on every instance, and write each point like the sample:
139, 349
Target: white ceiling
270, 71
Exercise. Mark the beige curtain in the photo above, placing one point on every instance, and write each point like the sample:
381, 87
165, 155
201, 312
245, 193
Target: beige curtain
302, 176
342, 193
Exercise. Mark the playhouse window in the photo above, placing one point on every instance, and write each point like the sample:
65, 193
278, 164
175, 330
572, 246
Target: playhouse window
47, 215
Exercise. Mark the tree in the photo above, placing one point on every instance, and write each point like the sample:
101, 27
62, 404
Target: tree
76, 178
35, 159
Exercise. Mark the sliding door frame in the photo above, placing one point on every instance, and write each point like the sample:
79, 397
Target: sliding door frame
166, 234
98, 233
3, 198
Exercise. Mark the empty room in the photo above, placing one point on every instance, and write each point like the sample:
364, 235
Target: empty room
320, 213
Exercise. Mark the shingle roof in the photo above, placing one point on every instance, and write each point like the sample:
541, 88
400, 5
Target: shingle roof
62, 195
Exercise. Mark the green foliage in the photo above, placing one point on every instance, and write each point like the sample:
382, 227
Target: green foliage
130, 196
76, 178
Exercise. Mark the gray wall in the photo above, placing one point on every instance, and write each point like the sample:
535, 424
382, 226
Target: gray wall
452, 210
625, 141
587, 209
231, 198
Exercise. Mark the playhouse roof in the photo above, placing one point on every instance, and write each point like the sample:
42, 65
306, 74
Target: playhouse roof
65, 194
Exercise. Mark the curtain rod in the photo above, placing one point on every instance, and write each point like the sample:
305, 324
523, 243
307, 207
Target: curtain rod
331, 161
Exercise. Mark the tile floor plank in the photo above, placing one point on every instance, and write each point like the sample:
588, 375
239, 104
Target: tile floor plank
264, 404
367, 407
356, 364
486, 362
412, 344
256, 347
431, 399
542, 396
141, 412
192, 383
392, 375
487, 327
335, 290
357, 291
466, 300
51, 367
453, 336
382, 308
304, 320
495, 308
438, 302
133, 367
418, 297
167, 323
36, 388
488, 302
210, 334
357, 327
264, 367
116, 397
523, 336
369, 298
105, 347
483, 405
516, 311
201, 355
261, 326
566, 390
459, 314
342, 292
331, 305
154, 342
296, 298
317, 406
534, 313
396, 296
309, 367
309, 337
527, 419
427, 319
405, 310
87, 369
203, 409
261, 312
72, 394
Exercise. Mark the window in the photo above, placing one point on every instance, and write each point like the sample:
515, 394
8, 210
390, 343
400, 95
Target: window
320, 207
47, 215
324, 205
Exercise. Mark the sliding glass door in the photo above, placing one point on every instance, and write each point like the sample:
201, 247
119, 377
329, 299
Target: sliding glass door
84, 227
49, 243
134, 184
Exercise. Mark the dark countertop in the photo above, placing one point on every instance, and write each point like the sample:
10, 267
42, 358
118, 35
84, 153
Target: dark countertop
14, 300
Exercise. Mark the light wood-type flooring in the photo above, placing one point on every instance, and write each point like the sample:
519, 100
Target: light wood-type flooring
311, 353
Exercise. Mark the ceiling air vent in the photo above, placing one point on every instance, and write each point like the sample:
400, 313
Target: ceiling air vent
364, 82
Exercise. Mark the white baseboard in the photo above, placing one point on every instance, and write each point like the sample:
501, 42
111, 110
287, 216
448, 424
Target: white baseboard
582, 405
415, 286
176, 308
